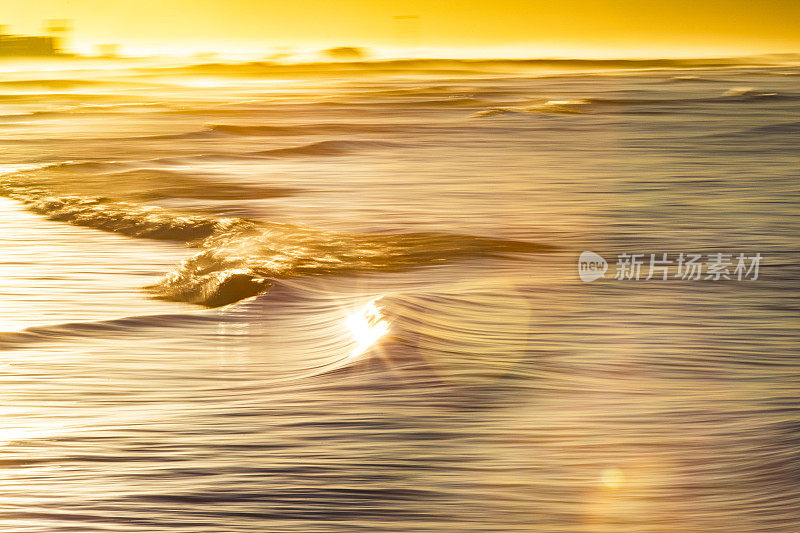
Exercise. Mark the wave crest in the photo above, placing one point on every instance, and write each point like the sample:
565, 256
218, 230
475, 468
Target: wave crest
259, 130
602, 104
241, 261
239, 258
561, 106
324, 148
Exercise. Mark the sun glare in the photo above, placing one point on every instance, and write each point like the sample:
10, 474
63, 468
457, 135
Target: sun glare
367, 325
612, 478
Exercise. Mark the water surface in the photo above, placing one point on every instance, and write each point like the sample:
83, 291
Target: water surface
340, 298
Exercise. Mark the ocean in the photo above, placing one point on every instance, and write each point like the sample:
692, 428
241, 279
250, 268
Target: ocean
334, 297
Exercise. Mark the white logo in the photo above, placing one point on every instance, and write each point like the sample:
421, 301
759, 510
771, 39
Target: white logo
591, 266
663, 266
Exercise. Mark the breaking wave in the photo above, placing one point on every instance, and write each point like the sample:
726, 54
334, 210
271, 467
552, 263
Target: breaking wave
258, 130
789, 129
240, 258
691, 78
599, 104
324, 148
276, 130
134, 182
560, 106
66, 84
449, 65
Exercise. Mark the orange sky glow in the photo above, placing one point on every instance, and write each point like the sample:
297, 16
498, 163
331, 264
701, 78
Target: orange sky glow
481, 28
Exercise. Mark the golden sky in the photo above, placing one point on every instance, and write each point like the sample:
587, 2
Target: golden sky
589, 28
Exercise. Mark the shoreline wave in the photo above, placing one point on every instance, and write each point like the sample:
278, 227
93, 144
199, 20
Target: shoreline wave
449, 65
600, 104
240, 258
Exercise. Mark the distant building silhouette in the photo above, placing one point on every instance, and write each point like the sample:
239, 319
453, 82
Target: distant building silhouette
107, 51
34, 45
345, 52
58, 30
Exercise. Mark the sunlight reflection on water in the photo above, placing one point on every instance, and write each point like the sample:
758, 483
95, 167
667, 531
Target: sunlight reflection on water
367, 325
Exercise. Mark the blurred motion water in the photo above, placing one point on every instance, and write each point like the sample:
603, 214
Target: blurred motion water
344, 297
